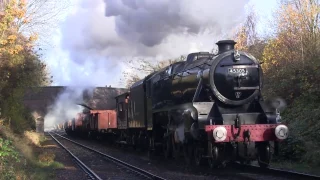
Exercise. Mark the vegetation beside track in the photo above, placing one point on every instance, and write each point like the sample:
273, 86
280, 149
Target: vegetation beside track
290, 54
25, 156
22, 155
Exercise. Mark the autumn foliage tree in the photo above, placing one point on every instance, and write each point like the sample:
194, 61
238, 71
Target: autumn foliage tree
292, 60
293, 54
20, 66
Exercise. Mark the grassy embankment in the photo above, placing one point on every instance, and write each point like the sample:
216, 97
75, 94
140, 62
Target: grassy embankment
25, 157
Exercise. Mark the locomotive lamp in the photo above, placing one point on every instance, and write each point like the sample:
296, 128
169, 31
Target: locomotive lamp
220, 133
281, 132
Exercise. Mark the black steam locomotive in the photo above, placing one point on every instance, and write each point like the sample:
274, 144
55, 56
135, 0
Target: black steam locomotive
208, 107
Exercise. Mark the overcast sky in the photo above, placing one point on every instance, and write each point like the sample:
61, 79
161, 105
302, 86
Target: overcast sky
96, 37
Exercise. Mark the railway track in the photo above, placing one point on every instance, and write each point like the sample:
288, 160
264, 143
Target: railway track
107, 166
240, 171
91, 174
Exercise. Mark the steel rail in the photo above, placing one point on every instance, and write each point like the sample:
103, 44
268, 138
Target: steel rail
131, 167
86, 169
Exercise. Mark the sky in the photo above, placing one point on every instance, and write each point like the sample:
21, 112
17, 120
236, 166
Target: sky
90, 46
264, 9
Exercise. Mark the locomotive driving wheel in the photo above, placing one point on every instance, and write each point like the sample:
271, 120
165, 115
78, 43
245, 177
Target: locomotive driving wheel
215, 161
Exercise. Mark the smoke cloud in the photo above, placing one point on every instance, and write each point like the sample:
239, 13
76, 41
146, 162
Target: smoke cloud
117, 30
99, 37
150, 22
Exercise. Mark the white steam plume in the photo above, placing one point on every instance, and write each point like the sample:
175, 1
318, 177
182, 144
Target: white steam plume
99, 36
65, 107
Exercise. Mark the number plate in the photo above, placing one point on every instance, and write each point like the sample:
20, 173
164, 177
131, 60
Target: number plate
237, 70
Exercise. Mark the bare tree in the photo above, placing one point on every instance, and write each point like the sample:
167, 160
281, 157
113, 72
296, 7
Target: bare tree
142, 67
44, 17
246, 34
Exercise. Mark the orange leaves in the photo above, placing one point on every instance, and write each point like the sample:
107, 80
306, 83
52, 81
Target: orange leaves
12, 42
14, 15
3, 42
33, 37
12, 38
241, 39
20, 13
17, 49
11, 45
11, 50
26, 20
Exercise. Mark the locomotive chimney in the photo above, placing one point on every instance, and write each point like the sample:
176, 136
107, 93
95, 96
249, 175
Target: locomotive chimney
225, 45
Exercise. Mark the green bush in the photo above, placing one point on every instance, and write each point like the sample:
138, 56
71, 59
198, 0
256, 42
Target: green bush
17, 117
302, 117
7, 155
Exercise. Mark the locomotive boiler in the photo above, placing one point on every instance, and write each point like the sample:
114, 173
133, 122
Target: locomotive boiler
211, 107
